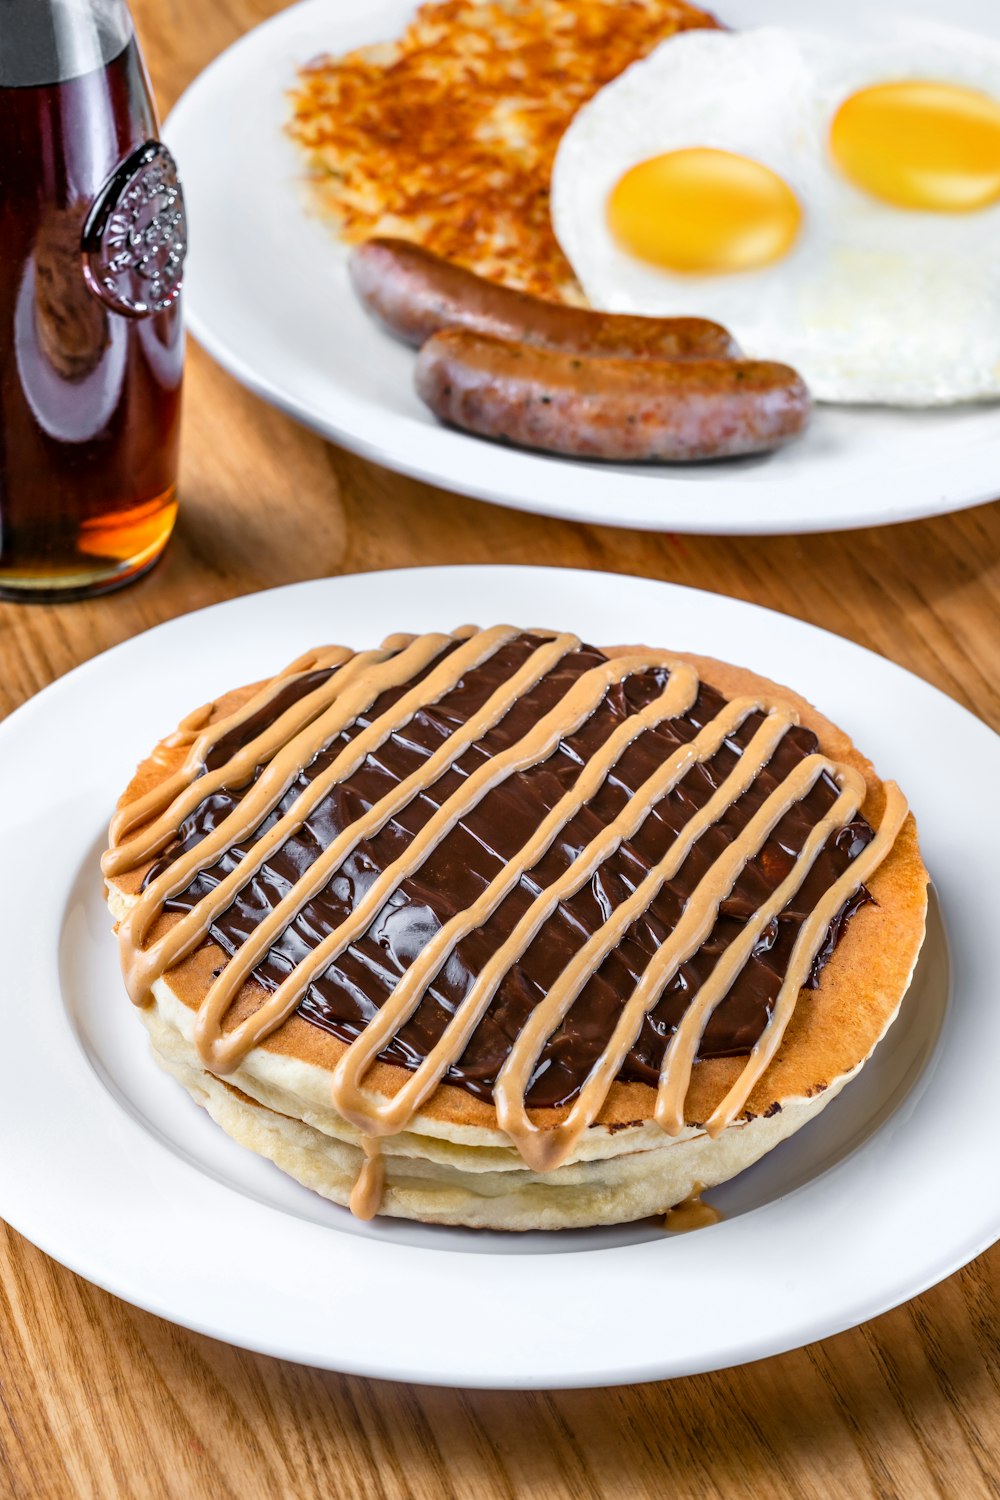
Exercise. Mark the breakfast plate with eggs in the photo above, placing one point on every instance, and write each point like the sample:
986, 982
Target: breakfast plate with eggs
734, 271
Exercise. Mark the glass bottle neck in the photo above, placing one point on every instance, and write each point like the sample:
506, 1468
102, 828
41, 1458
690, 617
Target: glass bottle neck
50, 41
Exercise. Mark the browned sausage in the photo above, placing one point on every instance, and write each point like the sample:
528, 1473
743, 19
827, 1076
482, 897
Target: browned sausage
593, 407
415, 294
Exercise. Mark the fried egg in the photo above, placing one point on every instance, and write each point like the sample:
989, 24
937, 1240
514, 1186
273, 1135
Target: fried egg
836, 205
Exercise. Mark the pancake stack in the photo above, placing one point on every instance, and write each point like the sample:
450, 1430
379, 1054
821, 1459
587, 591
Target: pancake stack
499, 929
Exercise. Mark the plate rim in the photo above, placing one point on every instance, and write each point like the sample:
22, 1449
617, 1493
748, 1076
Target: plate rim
946, 1258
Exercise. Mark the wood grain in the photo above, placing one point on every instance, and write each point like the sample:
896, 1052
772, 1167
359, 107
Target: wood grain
98, 1399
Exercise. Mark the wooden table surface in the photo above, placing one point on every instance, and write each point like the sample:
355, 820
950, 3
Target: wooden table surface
98, 1399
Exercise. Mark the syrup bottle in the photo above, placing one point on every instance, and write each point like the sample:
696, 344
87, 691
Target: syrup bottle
92, 242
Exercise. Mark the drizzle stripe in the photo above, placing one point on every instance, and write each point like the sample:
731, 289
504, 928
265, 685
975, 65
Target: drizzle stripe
224, 1052
156, 835
545, 1149
366, 1195
365, 1111
807, 945
678, 1060
147, 964
678, 697
188, 732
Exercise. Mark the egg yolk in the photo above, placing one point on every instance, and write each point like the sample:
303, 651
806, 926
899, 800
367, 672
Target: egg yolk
700, 210
919, 144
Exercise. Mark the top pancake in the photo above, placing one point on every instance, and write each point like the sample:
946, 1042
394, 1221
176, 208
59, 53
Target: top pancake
833, 1029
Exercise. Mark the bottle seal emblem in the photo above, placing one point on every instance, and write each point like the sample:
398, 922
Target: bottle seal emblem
135, 236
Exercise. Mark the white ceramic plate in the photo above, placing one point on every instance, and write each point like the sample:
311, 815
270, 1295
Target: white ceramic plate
108, 1165
267, 293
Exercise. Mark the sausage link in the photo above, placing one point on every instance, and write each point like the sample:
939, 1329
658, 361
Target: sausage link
604, 408
416, 294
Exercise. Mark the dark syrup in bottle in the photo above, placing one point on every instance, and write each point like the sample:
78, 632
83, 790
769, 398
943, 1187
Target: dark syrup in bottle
91, 344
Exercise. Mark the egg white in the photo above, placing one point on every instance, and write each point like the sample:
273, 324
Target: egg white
873, 303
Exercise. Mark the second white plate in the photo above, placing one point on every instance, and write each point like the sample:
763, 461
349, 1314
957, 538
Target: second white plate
109, 1166
267, 293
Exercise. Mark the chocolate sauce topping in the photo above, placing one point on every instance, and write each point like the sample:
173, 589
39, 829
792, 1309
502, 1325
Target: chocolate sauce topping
344, 998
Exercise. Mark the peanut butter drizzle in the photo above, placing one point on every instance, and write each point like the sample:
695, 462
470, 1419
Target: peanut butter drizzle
678, 1059
366, 1194
182, 792
144, 965
225, 1052
545, 1149
354, 684
807, 945
693, 1213
391, 1115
